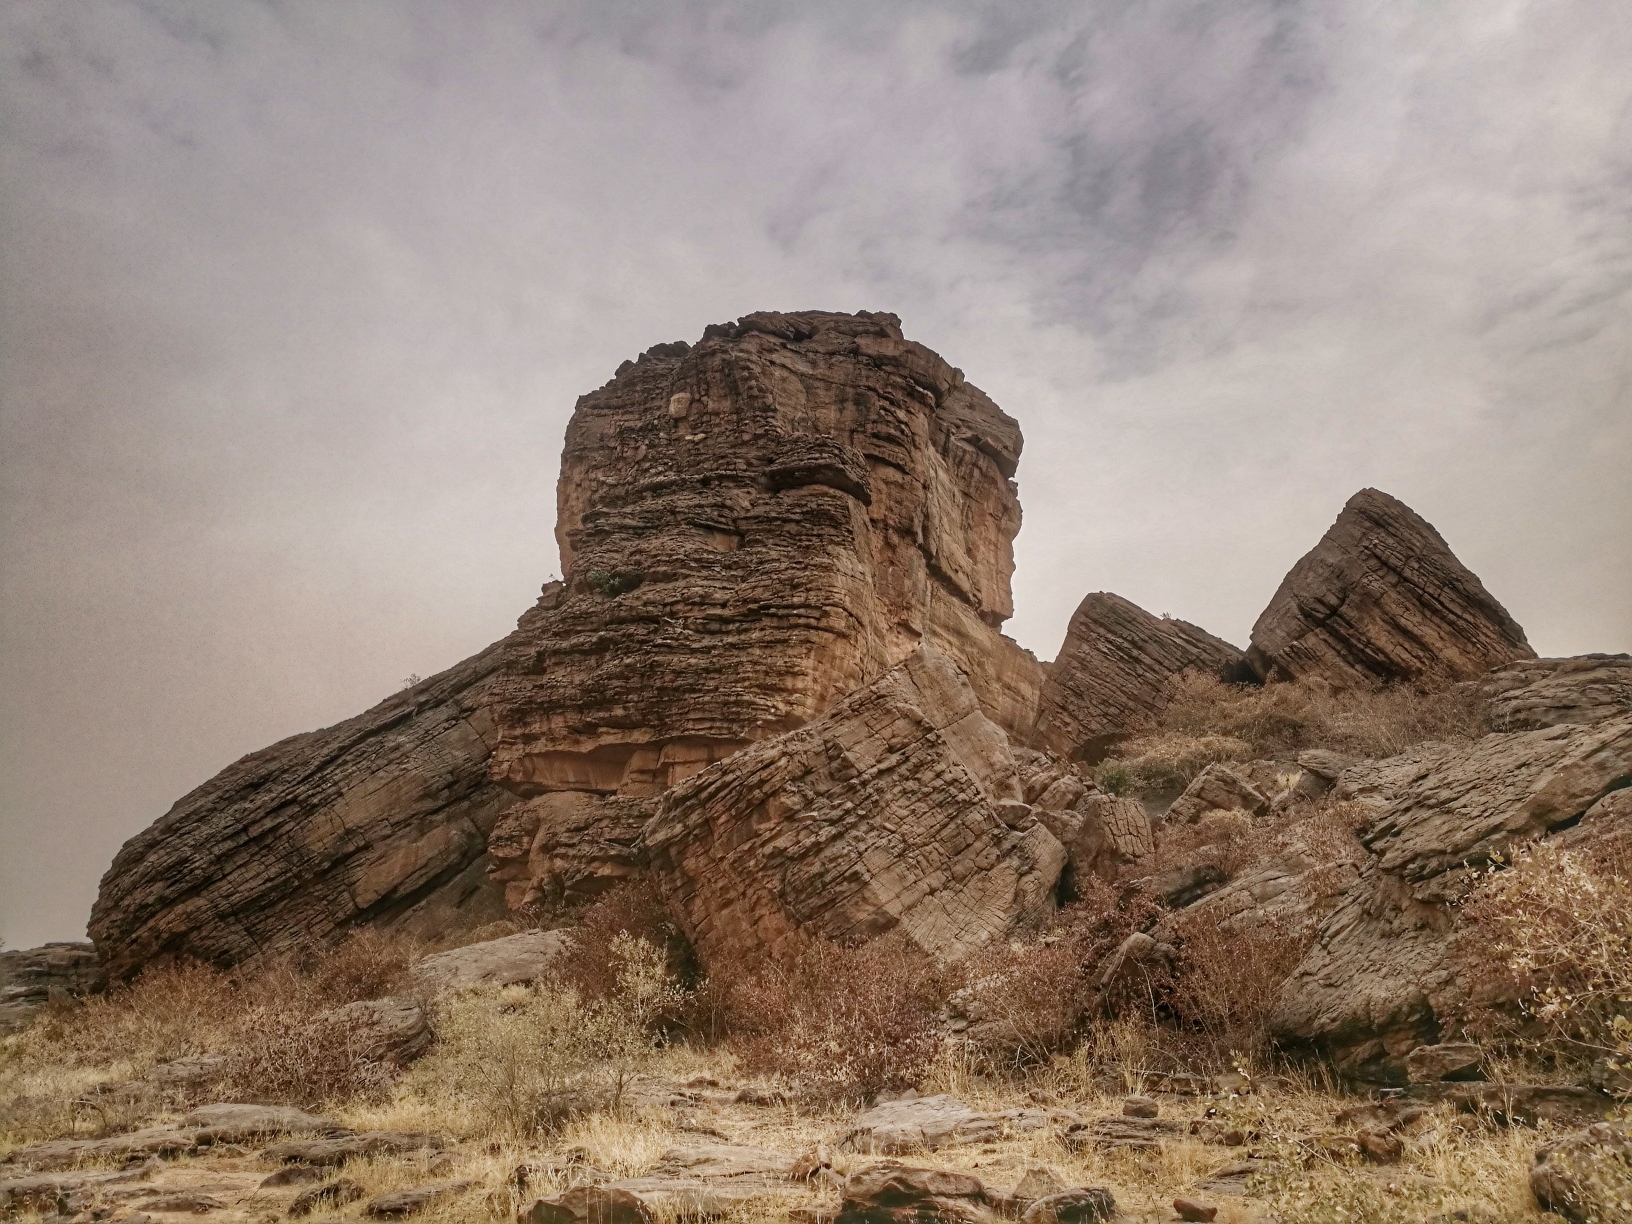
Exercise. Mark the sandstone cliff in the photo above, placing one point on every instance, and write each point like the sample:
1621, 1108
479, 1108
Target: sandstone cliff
751, 528
1382, 598
381, 819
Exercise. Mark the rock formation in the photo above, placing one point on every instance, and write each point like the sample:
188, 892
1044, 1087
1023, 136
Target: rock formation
1382, 598
382, 819
30, 978
751, 528
1381, 979
888, 812
1113, 671
1534, 693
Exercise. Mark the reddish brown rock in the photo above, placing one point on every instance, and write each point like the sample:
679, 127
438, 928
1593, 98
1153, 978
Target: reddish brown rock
1113, 672
751, 528
1382, 598
885, 813
379, 820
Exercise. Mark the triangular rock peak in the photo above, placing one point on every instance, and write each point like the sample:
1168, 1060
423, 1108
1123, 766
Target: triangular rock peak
1382, 598
1113, 671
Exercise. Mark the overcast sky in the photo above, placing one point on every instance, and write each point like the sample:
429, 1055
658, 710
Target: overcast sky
296, 298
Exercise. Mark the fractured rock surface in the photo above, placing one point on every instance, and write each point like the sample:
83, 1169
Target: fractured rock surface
32, 977
379, 820
1534, 693
1113, 671
1382, 598
1381, 980
883, 814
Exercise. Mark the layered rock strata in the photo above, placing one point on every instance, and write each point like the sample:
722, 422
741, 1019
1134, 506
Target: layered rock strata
1113, 672
887, 813
1534, 693
1382, 598
382, 819
751, 528
1382, 978
32, 978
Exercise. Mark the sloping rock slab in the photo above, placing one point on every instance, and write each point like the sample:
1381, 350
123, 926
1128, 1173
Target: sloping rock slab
899, 1127
62, 1193
1218, 787
528, 957
31, 977
330, 1152
1113, 671
881, 815
65, 1153
1134, 1134
392, 1030
414, 1199
731, 1161
1381, 980
1382, 597
1535, 693
236, 1123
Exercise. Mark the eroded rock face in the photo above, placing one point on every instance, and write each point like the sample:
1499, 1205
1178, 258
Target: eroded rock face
30, 978
1534, 693
1382, 979
1113, 671
380, 820
1382, 598
882, 814
751, 528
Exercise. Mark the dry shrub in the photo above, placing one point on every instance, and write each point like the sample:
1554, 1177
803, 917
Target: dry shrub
368, 964
525, 1059
293, 1057
1228, 840
1281, 719
840, 1022
1158, 762
626, 948
1550, 939
1225, 982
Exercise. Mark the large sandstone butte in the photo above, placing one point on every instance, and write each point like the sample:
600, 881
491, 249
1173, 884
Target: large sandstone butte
898, 809
382, 819
751, 528
1382, 598
1113, 671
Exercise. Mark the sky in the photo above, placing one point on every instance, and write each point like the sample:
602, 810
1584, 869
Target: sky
296, 299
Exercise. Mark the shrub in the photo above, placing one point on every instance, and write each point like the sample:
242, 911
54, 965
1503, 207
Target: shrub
1550, 938
1167, 761
292, 1057
841, 1022
626, 948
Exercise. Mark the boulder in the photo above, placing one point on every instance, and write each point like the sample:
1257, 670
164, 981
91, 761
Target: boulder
893, 1128
1101, 837
236, 1123
337, 1193
1081, 1205
1451, 1060
1531, 693
1586, 1177
390, 1031
1382, 598
642, 1200
327, 1153
1382, 979
527, 957
1113, 671
1217, 788
414, 1199
32, 977
892, 1193
381, 820
883, 814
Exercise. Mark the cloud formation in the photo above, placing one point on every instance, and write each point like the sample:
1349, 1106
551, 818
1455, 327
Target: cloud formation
296, 298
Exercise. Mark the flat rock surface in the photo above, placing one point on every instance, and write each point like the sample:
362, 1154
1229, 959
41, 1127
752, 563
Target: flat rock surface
351, 1147
900, 1127
1112, 672
526, 957
64, 1153
236, 1123
709, 1161
882, 814
1382, 598
414, 1199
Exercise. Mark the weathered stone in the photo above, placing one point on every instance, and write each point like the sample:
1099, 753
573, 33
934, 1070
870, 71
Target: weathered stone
724, 1161
1038, 1182
1381, 979
1082, 1205
880, 815
1135, 957
1382, 598
32, 977
327, 1153
392, 1031
751, 528
1517, 1104
379, 820
1103, 835
1586, 1177
65, 1153
891, 1193
528, 957
237, 1123
185, 1202
1452, 1060
568, 846
894, 1128
643, 1200
1217, 788
1196, 1213
336, 1193
191, 1072
1140, 1107
1324, 763
1184, 884
62, 1193
1134, 1134
1113, 672
1533, 693
414, 1199
1287, 894
294, 1175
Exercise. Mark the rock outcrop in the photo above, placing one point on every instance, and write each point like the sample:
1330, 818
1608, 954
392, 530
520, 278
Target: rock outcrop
1382, 598
30, 978
887, 812
751, 528
1381, 979
1535, 693
380, 820
528, 957
1113, 672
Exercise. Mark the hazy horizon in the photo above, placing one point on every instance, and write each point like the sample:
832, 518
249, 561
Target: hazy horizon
296, 299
